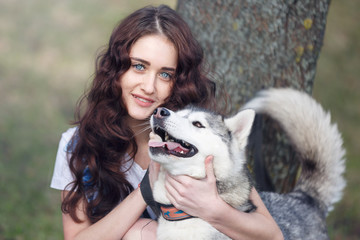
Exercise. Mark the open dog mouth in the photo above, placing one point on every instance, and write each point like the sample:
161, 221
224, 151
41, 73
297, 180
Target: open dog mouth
162, 142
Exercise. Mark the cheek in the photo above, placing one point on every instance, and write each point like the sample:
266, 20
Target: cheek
122, 81
165, 91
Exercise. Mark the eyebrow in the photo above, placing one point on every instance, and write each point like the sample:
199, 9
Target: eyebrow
148, 63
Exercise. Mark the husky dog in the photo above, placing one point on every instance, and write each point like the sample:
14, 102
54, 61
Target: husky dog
180, 141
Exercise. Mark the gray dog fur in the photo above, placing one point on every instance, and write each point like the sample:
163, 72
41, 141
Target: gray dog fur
301, 213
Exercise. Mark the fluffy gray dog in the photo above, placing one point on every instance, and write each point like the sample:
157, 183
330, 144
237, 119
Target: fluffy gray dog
181, 140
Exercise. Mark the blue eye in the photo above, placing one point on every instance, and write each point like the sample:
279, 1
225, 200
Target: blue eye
139, 67
165, 75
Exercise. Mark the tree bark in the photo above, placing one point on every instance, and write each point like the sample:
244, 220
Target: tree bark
257, 44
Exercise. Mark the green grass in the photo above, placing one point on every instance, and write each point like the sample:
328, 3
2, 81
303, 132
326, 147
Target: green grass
47, 51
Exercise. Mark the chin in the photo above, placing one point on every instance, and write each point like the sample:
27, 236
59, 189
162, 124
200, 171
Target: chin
141, 116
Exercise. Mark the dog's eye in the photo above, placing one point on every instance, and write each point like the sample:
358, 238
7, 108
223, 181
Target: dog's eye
198, 124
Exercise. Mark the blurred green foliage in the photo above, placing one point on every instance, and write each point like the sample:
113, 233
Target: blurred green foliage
337, 87
47, 52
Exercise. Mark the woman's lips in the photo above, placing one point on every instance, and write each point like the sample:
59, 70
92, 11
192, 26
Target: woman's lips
143, 101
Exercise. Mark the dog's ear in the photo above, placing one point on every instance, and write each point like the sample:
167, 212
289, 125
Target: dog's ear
240, 125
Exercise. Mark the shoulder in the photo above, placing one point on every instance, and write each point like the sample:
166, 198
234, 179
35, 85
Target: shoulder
68, 139
69, 133
62, 175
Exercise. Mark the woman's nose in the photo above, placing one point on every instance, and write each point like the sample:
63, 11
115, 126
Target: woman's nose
148, 84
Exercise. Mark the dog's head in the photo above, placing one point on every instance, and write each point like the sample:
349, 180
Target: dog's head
180, 141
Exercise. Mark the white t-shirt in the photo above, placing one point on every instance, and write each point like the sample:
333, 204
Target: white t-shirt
62, 175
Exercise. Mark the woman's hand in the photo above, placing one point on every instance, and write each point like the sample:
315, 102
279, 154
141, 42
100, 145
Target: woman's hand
200, 198
193, 196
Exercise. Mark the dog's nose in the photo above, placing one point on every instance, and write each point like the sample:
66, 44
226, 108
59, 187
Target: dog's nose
161, 112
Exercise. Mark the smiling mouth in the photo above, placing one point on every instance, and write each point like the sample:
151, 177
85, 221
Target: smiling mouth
144, 100
162, 142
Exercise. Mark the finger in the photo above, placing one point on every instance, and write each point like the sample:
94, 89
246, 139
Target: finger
171, 199
171, 193
154, 166
174, 181
209, 168
178, 186
154, 169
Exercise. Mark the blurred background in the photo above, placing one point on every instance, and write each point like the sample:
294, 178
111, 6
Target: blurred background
47, 52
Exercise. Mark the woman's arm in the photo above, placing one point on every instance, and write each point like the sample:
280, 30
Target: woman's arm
115, 225
240, 225
200, 198
143, 229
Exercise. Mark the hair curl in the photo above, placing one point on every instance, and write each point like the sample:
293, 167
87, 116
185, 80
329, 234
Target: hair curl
103, 136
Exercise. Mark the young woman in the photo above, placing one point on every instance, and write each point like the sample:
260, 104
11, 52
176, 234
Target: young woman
152, 60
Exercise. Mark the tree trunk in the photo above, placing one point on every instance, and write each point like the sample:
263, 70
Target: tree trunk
257, 44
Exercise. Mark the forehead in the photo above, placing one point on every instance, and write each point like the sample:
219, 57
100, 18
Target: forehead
155, 49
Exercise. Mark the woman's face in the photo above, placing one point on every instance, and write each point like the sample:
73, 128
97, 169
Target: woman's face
149, 80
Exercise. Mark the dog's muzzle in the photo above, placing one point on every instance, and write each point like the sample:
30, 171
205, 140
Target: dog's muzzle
166, 143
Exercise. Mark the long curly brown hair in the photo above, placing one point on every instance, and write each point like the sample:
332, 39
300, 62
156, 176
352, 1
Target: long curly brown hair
102, 138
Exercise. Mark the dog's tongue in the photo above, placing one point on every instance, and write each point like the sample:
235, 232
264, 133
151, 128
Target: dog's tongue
169, 145
155, 141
